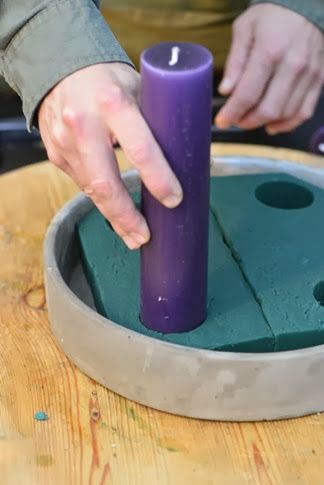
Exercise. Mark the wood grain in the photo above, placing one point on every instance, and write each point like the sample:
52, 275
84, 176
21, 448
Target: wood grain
93, 436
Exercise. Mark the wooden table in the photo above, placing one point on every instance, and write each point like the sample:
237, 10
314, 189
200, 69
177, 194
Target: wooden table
93, 436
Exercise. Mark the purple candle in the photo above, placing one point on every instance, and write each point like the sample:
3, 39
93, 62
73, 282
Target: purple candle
176, 93
317, 141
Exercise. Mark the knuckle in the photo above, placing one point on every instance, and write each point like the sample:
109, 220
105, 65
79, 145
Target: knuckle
71, 118
140, 153
289, 112
267, 113
127, 219
161, 188
297, 65
59, 135
315, 72
114, 98
100, 190
273, 54
245, 100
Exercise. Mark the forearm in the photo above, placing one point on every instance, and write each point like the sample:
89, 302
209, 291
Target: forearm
43, 41
313, 10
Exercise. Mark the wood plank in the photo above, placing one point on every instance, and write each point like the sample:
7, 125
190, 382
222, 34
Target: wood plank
93, 436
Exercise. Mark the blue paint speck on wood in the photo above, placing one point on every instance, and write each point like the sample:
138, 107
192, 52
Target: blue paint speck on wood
41, 416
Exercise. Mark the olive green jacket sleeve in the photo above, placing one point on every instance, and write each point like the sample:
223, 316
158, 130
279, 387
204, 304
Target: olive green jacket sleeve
313, 10
42, 41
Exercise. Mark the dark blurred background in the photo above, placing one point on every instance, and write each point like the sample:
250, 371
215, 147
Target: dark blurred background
19, 148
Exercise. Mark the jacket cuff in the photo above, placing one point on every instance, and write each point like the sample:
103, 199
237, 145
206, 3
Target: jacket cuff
64, 37
310, 9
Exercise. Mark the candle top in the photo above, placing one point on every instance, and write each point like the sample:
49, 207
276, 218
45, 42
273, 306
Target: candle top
177, 57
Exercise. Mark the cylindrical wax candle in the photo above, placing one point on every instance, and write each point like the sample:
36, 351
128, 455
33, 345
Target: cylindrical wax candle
176, 93
317, 141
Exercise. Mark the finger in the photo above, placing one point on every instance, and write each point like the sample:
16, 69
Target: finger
53, 153
128, 125
249, 89
306, 111
288, 79
306, 83
283, 126
297, 97
100, 180
237, 58
112, 199
51, 132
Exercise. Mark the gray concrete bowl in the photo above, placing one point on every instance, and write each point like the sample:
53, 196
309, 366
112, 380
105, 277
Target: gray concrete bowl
176, 379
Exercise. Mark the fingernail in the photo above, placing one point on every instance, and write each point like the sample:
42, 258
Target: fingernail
140, 238
222, 122
172, 200
226, 86
130, 242
134, 240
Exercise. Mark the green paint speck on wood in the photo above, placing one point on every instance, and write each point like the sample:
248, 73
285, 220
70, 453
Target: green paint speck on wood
41, 416
44, 460
131, 413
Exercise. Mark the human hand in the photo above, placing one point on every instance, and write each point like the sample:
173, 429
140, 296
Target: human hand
274, 72
79, 121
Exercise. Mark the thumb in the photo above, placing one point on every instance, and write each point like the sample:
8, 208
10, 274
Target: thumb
242, 40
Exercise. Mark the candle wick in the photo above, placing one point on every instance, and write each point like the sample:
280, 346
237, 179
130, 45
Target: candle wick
175, 51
